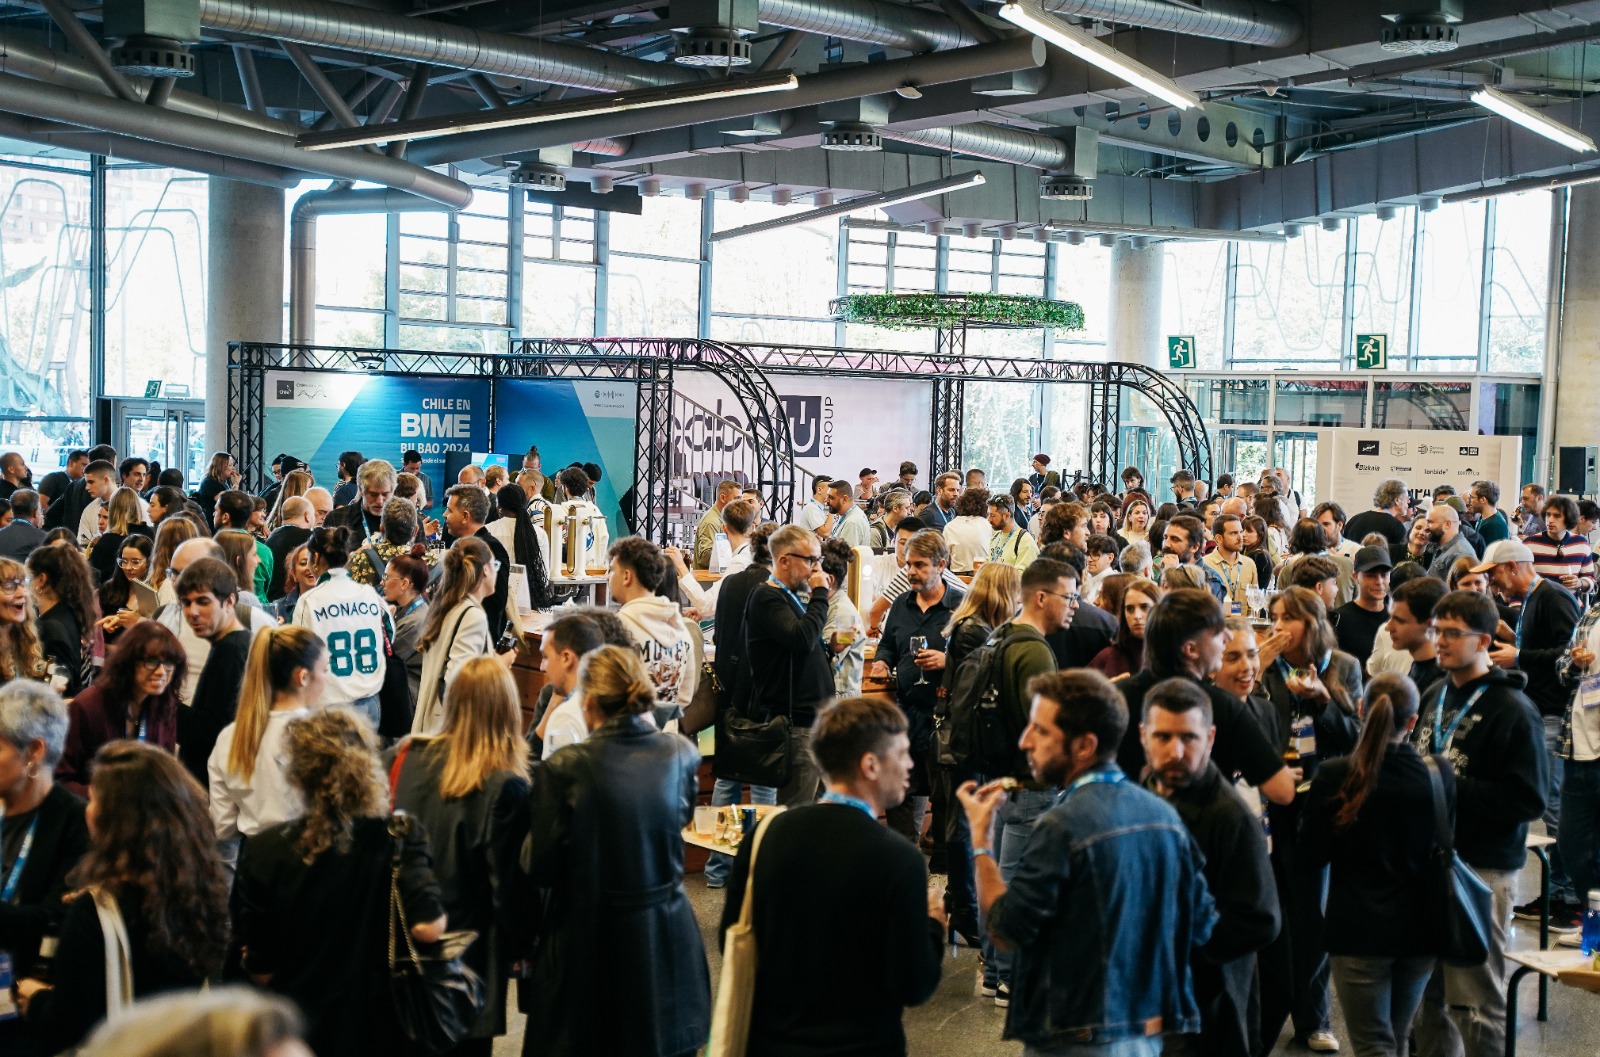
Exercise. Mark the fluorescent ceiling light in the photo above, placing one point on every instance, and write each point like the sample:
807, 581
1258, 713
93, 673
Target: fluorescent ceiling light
1531, 119
882, 200
513, 116
1095, 52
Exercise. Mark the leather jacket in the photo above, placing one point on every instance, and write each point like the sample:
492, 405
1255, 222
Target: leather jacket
608, 814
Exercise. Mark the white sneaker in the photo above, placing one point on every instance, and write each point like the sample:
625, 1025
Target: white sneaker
1322, 1042
1002, 996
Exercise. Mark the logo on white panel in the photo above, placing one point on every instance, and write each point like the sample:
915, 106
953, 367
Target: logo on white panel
1467, 451
1369, 447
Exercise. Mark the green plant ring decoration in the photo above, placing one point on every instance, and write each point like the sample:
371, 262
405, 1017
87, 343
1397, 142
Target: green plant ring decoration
996, 311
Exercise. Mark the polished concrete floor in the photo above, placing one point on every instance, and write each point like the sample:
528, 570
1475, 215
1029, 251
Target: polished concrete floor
957, 1022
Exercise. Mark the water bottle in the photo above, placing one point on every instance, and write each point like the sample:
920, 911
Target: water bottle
1591, 923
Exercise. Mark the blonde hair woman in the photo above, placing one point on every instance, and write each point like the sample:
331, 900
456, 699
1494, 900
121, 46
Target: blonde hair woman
124, 515
311, 899
169, 534
295, 483
468, 786
605, 841
221, 1022
21, 655
457, 629
283, 681
989, 605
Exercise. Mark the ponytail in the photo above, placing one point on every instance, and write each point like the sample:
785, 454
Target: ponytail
1391, 702
275, 655
615, 680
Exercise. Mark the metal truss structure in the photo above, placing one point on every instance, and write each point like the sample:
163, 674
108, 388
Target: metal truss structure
649, 363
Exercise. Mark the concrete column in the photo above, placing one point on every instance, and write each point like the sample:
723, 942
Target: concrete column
1577, 359
244, 298
1134, 334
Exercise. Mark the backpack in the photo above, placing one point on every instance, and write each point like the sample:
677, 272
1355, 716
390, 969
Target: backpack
970, 728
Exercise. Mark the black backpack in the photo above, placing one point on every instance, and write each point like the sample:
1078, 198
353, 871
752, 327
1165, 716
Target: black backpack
970, 728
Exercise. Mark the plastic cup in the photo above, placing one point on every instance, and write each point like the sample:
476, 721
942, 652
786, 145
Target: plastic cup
705, 820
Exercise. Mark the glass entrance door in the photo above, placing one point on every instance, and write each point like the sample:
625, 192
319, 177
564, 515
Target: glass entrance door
171, 432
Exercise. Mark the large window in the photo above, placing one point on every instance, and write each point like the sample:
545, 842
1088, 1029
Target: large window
1289, 301
155, 279
1449, 299
653, 285
1380, 294
774, 288
560, 251
1194, 282
1519, 290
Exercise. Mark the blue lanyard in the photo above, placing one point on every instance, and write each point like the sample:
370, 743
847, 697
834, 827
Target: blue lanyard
412, 608
1231, 583
144, 723
1441, 739
1113, 776
996, 551
780, 585
1537, 580
15, 877
847, 800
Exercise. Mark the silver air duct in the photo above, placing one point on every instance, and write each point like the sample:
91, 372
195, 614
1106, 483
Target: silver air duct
870, 21
89, 141
92, 110
1257, 22
371, 32
981, 139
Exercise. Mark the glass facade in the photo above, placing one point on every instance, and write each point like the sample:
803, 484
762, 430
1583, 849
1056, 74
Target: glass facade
1462, 288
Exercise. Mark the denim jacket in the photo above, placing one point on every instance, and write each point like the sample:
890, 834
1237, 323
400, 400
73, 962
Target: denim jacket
1104, 912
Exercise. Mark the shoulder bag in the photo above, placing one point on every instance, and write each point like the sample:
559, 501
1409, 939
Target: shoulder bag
702, 710
119, 967
736, 989
1465, 904
756, 751
436, 997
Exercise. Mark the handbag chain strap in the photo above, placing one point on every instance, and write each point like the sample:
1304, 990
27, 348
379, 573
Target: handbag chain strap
1443, 834
399, 827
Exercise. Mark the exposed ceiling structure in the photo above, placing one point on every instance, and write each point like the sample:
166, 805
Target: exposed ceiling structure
1308, 111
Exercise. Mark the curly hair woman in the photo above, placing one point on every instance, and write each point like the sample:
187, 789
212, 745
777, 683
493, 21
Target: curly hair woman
311, 898
152, 860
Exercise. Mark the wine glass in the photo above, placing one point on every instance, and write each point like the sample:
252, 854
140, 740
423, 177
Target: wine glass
1257, 599
918, 644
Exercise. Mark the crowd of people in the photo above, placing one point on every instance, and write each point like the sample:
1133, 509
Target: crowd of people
1179, 766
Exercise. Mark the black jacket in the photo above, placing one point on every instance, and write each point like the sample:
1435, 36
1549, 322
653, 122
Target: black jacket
1501, 766
1380, 903
476, 844
1549, 615
58, 844
1239, 874
494, 607
825, 871
1336, 729
1241, 747
20, 539
732, 667
1091, 631
620, 968
789, 669
67, 511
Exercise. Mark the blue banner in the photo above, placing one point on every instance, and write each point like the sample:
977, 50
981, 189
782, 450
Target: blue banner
315, 416
573, 420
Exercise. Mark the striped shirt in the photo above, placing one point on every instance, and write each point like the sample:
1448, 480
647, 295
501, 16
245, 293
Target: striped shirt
1570, 557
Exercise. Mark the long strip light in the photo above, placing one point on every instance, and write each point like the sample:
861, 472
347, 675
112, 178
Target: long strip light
1096, 52
1531, 119
882, 200
514, 116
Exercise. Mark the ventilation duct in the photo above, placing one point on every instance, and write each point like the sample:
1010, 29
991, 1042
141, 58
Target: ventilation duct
986, 140
159, 125
713, 33
869, 21
1421, 27
1258, 22
373, 32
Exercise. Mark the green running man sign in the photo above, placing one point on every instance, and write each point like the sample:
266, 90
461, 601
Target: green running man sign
1180, 352
1372, 352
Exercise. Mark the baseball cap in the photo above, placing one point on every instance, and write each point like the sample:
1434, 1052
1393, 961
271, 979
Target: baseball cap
1502, 551
1370, 558
1455, 502
867, 472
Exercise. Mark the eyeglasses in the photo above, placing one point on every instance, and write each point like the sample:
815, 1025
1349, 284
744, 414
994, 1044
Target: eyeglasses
16, 583
129, 563
1070, 599
1460, 633
152, 665
809, 559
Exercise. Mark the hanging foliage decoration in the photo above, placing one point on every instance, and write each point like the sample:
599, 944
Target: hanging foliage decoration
999, 311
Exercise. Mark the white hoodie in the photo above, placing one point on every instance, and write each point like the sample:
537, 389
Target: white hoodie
666, 645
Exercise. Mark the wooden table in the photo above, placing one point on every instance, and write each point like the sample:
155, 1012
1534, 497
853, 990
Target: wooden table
1549, 965
709, 844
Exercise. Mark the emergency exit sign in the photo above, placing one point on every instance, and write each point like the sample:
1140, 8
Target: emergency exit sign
1372, 352
1180, 351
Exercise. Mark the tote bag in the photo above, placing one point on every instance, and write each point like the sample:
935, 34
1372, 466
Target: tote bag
1465, 904
736, 988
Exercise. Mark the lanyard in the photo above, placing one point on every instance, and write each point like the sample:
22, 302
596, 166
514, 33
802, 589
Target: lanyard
1232, 583
15, 877
780, 585
1113, 776
144, 723
846, 800
1521, 623
1441, 739
998, 546
412, 608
